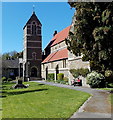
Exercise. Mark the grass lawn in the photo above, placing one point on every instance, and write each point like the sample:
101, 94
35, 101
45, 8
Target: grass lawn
111, 102
41, 101
110, 89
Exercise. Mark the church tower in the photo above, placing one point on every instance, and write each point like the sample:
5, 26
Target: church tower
32, 53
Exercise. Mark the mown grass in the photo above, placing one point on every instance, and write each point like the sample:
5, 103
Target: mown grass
110, 89
111, 101
41, 101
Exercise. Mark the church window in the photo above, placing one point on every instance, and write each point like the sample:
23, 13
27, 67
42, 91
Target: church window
28, 29
28, 37
51, 65
34, 29
38, 30
64, 63
34, 55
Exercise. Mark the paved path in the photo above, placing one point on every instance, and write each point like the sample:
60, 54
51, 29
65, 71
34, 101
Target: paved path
96, 106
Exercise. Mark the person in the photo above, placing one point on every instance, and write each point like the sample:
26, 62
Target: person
79, 82
72, 82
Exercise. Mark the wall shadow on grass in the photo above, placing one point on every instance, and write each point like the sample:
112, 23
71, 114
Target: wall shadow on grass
23, 92
41, 84
3, 87
2, 94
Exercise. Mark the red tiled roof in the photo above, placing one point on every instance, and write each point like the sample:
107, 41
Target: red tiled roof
62, 35
61, 54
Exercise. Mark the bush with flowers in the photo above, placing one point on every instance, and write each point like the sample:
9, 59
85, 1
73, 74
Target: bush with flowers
95, 80
109, 76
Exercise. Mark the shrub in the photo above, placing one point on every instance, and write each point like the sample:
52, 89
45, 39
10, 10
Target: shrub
108, 73
110, 85
74, 72
60, 76
4, 79
58, 81
109, 76
65, 79
50, 76
63, 82
9, 79
95, 79
81, 71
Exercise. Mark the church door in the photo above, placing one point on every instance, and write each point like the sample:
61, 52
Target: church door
33, 72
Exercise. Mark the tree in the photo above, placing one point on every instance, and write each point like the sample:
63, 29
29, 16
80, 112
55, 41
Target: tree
12, 55
92, 34
5, 56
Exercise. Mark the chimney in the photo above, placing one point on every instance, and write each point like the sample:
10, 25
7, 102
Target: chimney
55, 33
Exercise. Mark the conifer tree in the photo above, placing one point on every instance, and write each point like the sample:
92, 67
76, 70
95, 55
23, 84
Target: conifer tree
92, 34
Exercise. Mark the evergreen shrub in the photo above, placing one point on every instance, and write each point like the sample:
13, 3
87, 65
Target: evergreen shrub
77, 72
51, 76
109, 76
74, 72
66, 79
4, 79
9, 79
95, 80
60, 76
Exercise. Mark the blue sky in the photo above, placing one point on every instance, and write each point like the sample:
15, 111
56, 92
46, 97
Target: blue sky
53, 16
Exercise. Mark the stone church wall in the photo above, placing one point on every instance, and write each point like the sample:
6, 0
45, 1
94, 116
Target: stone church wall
58, 46
75, 62
52, 68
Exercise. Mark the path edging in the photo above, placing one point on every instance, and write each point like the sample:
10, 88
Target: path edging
81, 108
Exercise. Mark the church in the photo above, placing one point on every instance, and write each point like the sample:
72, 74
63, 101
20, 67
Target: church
56, 58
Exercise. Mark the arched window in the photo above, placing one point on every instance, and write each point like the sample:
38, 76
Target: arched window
38, 30
64, 63
34, 28
34, 55
28, 29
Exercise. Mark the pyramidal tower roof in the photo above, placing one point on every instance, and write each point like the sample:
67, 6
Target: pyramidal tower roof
33, 18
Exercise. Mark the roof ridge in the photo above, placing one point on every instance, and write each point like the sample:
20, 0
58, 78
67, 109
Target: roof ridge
60, 32
61, 54
60, 36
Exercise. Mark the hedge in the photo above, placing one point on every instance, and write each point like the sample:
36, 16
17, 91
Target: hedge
4, 79
77, 72
51, 76
60, 76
